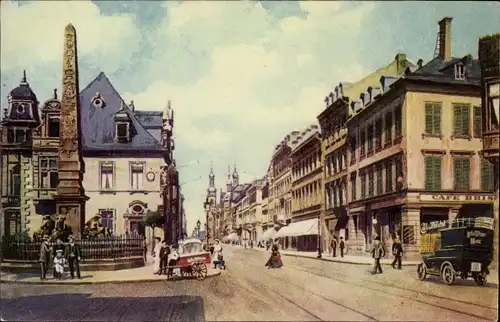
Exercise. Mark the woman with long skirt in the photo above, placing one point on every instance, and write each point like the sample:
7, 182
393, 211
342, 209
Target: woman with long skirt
157, 256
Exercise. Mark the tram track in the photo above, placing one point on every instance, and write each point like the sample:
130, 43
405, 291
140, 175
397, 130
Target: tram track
412, 298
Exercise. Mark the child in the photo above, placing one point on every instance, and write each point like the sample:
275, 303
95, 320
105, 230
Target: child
59, 262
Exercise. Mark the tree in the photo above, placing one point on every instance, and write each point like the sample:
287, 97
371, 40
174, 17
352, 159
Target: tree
154, 219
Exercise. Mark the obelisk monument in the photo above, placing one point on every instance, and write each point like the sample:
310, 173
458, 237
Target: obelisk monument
70, 198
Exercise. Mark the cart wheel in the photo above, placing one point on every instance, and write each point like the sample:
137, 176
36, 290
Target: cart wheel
422, 271
448, 274
199, 270
480, 279
186, 272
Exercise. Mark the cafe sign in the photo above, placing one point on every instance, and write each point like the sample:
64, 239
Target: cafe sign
427, 227
439, 197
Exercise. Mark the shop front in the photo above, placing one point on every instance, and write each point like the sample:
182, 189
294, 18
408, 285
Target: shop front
303, 234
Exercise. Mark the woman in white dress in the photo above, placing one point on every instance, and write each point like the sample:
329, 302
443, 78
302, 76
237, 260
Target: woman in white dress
157, 259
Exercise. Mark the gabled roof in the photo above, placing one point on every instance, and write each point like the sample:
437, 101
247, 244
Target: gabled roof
98, 125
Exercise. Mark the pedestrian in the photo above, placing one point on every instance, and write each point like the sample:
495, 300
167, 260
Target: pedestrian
157, 258
45, 256
145, 249
164, 252
397, 251
333, 244
73, 256
59, 262
172, 258
342, 246
212, 249
378, 252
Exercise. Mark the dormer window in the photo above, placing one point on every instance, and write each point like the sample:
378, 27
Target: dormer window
98, 101
459, 71
53, 127
122, 131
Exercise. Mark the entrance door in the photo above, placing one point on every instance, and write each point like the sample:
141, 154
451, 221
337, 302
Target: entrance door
137, 227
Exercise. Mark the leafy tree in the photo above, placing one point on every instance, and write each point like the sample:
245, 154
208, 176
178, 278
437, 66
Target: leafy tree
154, 219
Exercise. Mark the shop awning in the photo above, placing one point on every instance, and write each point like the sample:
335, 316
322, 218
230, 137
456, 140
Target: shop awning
268, 234
300, 228
231, 237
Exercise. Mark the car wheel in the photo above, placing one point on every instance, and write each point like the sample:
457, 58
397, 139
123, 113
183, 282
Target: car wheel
422, 271
448, 274
480, 279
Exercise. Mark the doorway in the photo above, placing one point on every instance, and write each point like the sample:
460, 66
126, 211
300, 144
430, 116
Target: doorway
138, 228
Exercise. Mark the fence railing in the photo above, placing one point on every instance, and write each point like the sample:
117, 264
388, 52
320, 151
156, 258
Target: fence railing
113, 247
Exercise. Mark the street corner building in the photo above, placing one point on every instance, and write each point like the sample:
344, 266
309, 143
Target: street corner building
124, 151
415, 152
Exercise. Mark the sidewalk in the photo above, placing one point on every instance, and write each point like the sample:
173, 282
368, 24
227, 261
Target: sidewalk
135, 275
347, 259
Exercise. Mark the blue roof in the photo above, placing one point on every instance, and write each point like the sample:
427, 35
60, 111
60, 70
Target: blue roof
98, 123
150, 119
442, 71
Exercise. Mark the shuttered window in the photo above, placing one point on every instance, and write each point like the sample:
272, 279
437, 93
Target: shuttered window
380, 182
461, 173
433, 118
369, 138
388, 128
487, 175
388, 176
398, 122
363, 185
433, 172
478, 122
362, 143
371, 183
378, 133
461, 119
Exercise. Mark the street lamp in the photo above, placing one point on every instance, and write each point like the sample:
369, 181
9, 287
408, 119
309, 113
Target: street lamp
198, 224
319, 236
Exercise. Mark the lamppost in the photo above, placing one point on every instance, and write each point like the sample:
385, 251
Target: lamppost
319, 235
198, 225
208, 208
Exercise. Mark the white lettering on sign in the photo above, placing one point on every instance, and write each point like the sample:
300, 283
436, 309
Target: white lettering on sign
425, 227
475, 233
475, 241
195, 259
456, 198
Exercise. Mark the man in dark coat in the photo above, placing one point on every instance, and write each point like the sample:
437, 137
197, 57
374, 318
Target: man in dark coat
378, 252
164, 252
397, 251
333, 245
45, 257
342, 246
73, 255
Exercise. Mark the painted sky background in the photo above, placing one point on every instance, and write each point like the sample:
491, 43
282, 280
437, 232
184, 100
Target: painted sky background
241, 75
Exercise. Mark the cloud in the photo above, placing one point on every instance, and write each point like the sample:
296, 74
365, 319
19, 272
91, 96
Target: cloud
33, 33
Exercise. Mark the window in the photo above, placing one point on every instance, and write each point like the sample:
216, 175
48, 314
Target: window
107, 218
370, 138
107, 175
461, 120
49, 172
53, 127
388, 128
478, 122
398, 123
15, 179
388, 176
380, 185
12, 222
363, 185
461, 173
459, 71
399, 171
487, 175
353, 188
371, 183
433, 119
378, 133
363, 145
10, 136
432, 172
20, 136
122, 132
136, 175
353, 150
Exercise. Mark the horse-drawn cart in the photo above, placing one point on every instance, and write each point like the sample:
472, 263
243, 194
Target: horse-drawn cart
462, 248
193, 260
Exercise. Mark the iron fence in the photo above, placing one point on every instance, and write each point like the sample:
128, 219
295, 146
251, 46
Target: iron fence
113, 247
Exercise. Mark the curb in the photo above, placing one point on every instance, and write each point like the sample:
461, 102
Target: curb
50, 282
335, 261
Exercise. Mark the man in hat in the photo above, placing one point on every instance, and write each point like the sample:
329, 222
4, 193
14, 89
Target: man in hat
59, 262
45, 255
378, 252
397, 251
73, 255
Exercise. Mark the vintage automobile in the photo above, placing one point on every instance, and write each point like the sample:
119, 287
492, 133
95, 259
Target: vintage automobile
193, 259
459, 248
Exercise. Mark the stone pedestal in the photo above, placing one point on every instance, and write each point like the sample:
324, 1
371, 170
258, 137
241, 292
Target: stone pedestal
73, 207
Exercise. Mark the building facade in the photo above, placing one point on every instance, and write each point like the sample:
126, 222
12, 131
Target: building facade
307, 189
335, 146
428, 121
122, 152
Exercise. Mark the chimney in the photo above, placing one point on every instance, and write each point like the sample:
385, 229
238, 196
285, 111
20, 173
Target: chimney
401, 62
445, 38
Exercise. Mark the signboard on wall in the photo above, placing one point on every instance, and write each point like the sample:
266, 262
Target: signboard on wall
456, 198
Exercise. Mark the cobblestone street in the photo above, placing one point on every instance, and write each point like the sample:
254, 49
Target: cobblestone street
303, 290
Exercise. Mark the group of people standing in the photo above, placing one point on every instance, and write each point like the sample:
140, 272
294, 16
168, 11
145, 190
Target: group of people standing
61, 255
164, 257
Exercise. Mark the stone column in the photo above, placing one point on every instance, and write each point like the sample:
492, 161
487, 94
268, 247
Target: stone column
70, 198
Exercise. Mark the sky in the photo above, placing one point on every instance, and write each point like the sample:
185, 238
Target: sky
240, 75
